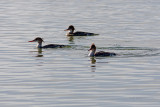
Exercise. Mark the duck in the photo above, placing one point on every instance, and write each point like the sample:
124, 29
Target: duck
71, 32
93, 53
39, 40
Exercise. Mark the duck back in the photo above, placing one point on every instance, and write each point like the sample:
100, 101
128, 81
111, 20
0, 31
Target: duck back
80, 33
102, 53
53, 46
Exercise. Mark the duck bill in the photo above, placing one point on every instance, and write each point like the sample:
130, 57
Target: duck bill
31, 41
66, 29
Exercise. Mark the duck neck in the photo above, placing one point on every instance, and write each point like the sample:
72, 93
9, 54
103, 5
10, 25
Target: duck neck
39, 45
91, 53
71, 31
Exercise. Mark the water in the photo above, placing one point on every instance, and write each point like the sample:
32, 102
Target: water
68, 77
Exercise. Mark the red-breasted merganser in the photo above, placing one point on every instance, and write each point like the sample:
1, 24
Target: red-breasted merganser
78, 33
93, 52
40, 40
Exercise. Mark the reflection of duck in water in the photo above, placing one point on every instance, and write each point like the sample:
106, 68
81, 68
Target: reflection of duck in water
93, 61
40, 40
39, 53
93, 52
70, 39
93, 64
78, 33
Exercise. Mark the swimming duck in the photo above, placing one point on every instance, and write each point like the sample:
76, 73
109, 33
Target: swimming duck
40, 40
78, 33
93, 52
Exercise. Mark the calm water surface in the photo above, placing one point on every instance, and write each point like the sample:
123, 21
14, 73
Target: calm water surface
68, 77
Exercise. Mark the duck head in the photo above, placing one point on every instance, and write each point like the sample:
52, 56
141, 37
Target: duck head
92, 50
70, 29
39, 40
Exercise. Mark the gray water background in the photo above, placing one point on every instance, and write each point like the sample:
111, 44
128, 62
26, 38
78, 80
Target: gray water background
68, 77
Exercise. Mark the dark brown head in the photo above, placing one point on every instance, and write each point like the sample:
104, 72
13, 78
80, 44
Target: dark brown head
71, 27
93, 47
38, 39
